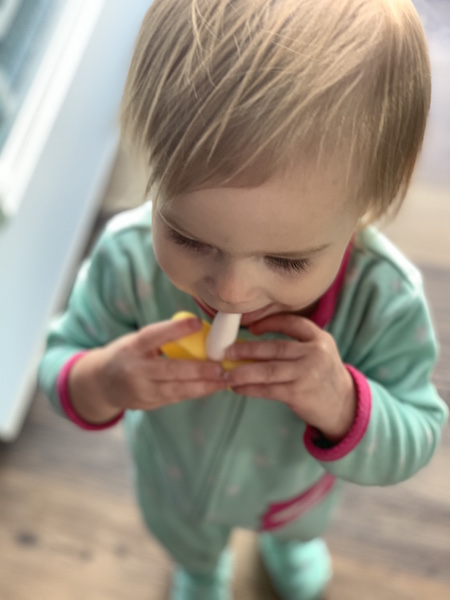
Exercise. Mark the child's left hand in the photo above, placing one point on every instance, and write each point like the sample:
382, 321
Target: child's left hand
305, 373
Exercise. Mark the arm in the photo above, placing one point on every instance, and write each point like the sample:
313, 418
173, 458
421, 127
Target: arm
100, 362
399, 413
100, 309
80, 392
373, 415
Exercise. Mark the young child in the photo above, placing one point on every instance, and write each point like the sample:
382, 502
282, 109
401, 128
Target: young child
272, 133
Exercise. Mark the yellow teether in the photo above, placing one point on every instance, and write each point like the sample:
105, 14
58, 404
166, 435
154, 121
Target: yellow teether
193, 346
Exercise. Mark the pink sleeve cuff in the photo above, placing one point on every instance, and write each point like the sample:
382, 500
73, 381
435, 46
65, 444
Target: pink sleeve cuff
313, 436
62, 386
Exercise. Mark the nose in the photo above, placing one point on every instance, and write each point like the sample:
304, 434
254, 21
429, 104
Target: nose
232, 286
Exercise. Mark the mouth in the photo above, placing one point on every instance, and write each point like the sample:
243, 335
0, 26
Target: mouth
247, 318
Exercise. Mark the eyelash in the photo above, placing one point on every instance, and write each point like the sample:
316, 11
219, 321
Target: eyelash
187, 242
281, 264
298, 265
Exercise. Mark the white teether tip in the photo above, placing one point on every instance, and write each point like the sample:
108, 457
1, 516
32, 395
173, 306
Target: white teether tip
223, 333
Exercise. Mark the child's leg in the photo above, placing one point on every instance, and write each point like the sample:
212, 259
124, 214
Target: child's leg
214, 585
296, 557
196, 547
203, 567
298, 570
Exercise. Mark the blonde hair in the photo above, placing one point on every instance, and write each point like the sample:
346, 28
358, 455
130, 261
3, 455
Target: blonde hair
223, 89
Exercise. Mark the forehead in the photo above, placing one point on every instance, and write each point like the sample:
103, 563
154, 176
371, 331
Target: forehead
296, 209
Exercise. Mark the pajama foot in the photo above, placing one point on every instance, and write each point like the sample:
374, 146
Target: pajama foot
205, 586
298, 570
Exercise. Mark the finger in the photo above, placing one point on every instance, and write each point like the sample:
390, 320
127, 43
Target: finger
174, 392
266, 350
295, 326
271, 372
166, 369
153, 336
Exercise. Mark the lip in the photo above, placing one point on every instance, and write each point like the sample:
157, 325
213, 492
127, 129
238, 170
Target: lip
247, 318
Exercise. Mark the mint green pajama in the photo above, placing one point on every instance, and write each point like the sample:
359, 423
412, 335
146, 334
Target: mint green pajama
205, 466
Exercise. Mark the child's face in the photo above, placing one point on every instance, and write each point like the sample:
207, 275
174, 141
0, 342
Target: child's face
260, 250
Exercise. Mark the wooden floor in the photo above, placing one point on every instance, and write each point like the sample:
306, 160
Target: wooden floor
69, 526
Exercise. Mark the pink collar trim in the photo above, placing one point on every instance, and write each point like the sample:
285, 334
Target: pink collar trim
324, 310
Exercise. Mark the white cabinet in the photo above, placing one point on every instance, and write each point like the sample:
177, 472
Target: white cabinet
58, 138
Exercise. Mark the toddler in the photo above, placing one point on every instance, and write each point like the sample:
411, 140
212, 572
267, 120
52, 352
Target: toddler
272, 134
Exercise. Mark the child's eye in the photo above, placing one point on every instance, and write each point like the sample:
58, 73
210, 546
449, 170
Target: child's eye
281, 264
181, 240
297, 265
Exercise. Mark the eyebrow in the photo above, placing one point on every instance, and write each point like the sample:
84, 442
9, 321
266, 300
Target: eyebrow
296, 254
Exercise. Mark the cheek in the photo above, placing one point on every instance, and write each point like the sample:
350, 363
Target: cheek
308, 288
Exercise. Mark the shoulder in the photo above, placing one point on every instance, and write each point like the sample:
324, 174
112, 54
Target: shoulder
382, 307
378, 263
122, 259
127, 239
129, 224
382, 289
126, 263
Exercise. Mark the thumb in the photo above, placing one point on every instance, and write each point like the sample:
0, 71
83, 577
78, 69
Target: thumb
152, 337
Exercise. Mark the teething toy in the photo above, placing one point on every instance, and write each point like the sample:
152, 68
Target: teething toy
223, 334
208, 343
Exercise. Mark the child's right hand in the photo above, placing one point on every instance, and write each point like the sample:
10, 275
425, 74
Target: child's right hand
130, 373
